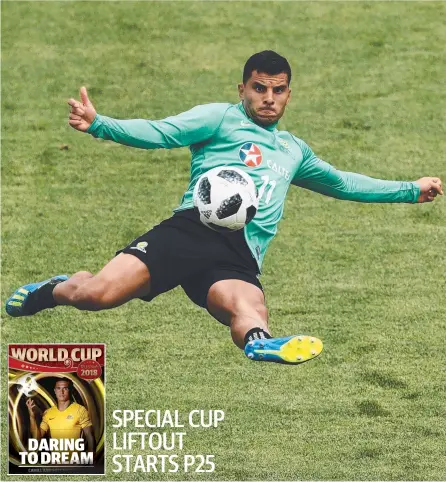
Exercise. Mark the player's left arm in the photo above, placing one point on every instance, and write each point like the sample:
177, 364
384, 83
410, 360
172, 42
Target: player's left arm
319, 176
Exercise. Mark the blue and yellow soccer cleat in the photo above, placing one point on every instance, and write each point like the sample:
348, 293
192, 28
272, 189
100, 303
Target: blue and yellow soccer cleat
290, 350
34, 297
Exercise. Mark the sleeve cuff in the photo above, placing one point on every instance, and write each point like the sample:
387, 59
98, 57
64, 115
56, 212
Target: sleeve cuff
416, 191
94, 125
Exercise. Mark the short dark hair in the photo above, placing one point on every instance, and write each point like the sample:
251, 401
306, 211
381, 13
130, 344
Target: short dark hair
268, 62
64, 379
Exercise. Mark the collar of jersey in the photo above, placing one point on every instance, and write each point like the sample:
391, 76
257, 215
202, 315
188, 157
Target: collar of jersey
61, 411
271, 127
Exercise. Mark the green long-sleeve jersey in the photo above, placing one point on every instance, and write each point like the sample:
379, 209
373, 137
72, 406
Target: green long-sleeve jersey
224, 135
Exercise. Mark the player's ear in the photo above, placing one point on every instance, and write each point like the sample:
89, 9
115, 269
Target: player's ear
289, 96
241, 91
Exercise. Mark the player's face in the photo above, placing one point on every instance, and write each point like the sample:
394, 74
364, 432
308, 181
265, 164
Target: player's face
62, 391
265, 97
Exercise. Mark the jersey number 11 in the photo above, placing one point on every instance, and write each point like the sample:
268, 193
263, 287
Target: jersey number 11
269, 192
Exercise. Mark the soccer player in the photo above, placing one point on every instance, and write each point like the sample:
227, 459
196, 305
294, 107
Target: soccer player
66, 420
217, 271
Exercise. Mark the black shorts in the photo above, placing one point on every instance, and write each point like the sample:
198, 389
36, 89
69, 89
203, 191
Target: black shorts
181, 251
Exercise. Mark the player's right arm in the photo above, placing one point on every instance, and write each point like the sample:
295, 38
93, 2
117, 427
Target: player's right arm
192, 127
36, 431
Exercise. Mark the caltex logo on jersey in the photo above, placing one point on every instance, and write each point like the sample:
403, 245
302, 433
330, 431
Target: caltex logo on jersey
251, 154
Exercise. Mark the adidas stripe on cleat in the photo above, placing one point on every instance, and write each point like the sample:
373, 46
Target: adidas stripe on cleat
289, 350
25, 301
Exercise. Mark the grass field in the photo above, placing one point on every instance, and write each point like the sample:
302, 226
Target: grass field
369, 280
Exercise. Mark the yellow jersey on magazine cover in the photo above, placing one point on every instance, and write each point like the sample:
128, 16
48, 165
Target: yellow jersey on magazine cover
67, 423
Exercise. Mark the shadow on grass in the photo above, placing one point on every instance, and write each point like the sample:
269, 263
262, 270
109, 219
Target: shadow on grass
383, 380
371, 408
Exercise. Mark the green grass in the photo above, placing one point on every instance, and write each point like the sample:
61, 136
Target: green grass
368, 96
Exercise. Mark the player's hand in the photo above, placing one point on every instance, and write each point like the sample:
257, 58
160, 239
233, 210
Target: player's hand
30, 404
82, 114
429, 188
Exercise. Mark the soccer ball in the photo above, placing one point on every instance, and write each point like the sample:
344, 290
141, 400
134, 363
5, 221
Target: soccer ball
28, 385
226, 198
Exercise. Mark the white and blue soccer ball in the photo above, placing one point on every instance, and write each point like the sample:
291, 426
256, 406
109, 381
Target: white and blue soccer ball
226, 198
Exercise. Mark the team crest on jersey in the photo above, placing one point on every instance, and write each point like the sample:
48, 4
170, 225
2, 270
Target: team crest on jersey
250, 154
284, 144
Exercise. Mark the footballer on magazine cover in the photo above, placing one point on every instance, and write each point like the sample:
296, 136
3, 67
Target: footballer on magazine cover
56, 409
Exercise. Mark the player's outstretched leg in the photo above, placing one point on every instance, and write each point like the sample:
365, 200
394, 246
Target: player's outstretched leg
122, 279
241, 306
